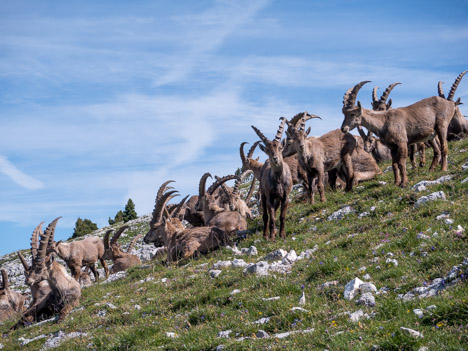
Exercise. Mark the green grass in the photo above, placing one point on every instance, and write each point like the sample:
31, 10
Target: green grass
196, 307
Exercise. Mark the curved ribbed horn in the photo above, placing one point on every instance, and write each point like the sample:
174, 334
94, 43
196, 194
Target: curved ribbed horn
241, 151
279, 132
202, 184
133, 242
106, 239
440, 90
386, 93
252, 149
162, 204
262, 137
375, 99
235, 189
178, 208
52, 226
116, 236
251, 190
23, 261
163, 188
220, 181
35, 239
455, 86
44, 243
296, 119
349, 98
6, 285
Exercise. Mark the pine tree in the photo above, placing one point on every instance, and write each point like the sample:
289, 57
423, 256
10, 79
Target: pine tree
119, 217
83, 227
129, 212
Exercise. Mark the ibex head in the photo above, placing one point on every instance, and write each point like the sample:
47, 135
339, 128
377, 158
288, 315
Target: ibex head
273, 148
248, 161
157, 229
297, 133
369, 139
381, 104
111, 245
352, 113
40, 265
288, 143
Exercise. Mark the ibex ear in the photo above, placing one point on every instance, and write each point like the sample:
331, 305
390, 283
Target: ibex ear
389, 104
359, 105
308, 130
458, 102
283, 143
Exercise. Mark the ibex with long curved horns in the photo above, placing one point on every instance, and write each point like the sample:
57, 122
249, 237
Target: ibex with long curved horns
122, 260
275, 183
331, 151
458, 127
64, 292
180, 242
11, 302
397, 128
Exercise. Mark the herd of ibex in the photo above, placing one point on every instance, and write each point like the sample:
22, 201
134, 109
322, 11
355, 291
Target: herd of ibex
216, 215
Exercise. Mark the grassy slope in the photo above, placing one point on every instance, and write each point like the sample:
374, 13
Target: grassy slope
197, 307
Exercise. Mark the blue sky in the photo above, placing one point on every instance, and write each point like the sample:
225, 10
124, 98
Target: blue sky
101, 101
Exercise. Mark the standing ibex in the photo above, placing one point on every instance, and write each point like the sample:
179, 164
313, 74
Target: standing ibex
331, 151
275, 183
122, 260
399, 127
80, 253
458, 127
180, 242
373, 145
65, 291
11, 302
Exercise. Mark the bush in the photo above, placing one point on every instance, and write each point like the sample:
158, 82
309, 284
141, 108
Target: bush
83, 227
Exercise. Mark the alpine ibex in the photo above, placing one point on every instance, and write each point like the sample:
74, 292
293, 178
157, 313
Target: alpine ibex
373, 144
11, 302
65, 291
399, 127
458, 127
236, 203
275, 183
180, 242
122, 260
331, 151
80, 253
217, 206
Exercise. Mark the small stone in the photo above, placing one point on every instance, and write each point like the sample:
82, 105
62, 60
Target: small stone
214, 273
307, 254
222, 264
239, 263
275, 255
340, 214
328, 285
367, 277
438, 195
372, 208
252, 251
302, 299
101, 313
358, 315
366, 299
422, 236
111, 306
412, 332
391, 261
464, 180
224, 334
235, 291
448, 221
362, 269
352, 288
367, 287
363, 214
300, 309
290, 258
261, 334
259, 268
271, 298
220, 347
263, 320
138, 307
171, 335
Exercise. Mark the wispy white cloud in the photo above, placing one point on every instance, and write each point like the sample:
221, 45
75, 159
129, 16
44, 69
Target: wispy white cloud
20, 178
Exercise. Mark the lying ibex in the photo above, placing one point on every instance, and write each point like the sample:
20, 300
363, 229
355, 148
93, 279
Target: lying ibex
191, 214
331, 151
180, 242
458, 127
236, 203
275, 183
399, 127
65, 291
11, 302
80, 253
122, 260
217, 207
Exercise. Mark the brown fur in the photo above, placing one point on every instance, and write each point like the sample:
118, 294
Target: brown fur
65, 291
397, 128
122, 260
81, 253
275, 184
11, 302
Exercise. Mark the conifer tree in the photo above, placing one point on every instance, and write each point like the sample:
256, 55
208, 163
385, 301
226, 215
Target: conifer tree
129, 212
